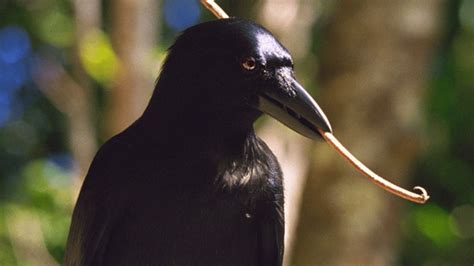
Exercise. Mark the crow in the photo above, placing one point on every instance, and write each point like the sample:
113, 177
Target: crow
189, 182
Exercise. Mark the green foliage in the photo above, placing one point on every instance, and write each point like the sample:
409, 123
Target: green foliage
56, 27
98, 57
433, 222
441, 233
49, 194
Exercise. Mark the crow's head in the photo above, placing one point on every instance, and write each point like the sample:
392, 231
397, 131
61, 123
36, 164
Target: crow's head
236, 66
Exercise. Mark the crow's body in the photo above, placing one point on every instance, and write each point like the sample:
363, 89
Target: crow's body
189, 183
147, 204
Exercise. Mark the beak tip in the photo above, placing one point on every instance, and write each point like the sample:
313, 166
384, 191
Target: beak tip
323, 125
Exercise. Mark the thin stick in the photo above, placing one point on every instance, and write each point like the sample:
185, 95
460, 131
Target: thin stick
376, 179
215, 8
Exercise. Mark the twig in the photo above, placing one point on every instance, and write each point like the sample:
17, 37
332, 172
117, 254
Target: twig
214, 8
376, 179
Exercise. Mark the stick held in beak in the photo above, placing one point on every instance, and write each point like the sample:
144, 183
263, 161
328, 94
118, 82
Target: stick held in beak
302, 114
376, 179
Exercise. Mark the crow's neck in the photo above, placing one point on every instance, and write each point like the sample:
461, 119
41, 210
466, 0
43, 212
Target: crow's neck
181, 121
223, 143
229, 152
198, 130
188, 123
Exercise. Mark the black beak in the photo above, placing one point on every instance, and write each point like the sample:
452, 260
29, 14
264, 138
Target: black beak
291, 104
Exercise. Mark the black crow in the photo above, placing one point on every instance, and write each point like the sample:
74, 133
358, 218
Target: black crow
189, 183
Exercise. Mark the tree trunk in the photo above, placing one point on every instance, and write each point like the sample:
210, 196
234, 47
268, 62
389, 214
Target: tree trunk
373, 69
135, 31
82, 133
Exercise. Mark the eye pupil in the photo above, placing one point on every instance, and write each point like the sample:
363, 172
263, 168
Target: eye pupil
249, 63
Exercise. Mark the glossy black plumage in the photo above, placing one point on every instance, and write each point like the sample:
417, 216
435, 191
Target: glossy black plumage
189, 183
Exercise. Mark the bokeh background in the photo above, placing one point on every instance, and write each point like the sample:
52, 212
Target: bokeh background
395, 78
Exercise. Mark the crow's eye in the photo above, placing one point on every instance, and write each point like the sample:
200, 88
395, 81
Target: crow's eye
249, 63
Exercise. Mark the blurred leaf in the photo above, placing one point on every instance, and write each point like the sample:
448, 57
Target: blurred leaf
98, 57
47, 185
463, 47
56, 28
433, 222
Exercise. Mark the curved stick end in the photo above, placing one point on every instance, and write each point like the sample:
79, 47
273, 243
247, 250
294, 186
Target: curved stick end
424, 195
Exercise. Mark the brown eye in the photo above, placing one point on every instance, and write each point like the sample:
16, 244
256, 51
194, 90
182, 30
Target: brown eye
249, 63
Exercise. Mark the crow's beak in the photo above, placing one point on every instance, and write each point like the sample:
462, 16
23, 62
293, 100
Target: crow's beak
290, 103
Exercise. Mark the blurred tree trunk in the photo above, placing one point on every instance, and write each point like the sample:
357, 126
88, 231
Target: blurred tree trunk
134, 34
374, 63
71, 93
82, 134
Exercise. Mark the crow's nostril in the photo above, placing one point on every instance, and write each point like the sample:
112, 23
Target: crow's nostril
292, 93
